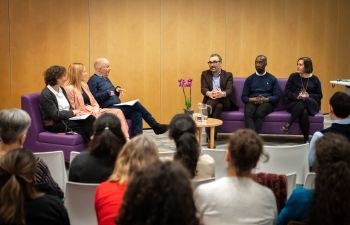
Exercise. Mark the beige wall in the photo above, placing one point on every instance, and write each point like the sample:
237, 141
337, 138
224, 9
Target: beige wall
152, 43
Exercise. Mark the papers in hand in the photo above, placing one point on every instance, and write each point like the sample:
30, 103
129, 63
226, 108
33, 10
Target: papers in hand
81, 117
128, 103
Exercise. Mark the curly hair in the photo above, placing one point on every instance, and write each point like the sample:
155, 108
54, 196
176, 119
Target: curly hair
159, 194
108, 137
331, 200
183, 130
53, 73
245, 148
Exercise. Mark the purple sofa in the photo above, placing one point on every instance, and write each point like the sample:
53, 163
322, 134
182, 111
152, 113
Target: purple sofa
233, 120
40, 140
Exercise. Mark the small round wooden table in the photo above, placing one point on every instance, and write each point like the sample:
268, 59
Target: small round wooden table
210, 123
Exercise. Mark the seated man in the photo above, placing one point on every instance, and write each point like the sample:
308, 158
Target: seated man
339, 105
261, 93
217, 87
107, 96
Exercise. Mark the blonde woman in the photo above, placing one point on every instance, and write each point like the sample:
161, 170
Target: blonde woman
138, 153
80, 97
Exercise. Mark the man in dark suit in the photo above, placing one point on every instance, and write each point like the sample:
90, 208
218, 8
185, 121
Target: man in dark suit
217, 87
107, 95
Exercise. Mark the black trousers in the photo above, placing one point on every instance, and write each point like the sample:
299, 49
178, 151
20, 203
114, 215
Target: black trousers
218, 105
299, 112
254, 115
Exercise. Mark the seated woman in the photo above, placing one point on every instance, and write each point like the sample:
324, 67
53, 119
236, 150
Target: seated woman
183, 131
97, 163
237, 198
80, 97
302, 96
14, 124
56, 109
168, 186
135, 155
20, 202
329, 203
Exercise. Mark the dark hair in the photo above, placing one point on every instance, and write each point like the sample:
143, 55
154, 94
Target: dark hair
108, 137
183, 130
17, 171
53, 73
217, 55
159, 194
307, 64
245, 147
331, 200
340, 103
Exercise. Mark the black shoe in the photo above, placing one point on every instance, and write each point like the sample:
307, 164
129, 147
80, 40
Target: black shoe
285, 128
160, 128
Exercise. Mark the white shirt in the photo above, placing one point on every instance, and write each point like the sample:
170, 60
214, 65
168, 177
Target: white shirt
62, 101
205, 167
235, 201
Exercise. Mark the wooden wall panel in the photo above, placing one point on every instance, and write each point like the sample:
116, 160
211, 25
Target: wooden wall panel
5, 79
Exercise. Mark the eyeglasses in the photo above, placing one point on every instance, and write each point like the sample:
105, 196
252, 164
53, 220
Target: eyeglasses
213, 62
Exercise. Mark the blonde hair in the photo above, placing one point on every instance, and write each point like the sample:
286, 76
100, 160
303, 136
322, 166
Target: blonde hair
135, 155
75, 70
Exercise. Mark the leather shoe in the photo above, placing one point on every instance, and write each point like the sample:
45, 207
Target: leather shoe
160, 128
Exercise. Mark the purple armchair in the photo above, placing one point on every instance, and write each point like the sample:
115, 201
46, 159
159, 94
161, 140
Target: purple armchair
233, 120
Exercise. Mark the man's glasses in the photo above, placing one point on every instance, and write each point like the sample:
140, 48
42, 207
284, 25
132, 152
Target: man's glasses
213, 62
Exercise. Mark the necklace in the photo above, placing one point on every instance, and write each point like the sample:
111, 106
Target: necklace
302, 84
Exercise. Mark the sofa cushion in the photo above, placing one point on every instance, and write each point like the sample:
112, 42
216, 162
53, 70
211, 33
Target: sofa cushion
60, 139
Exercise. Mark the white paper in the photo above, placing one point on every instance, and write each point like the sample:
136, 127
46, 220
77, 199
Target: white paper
81, 117
128, 103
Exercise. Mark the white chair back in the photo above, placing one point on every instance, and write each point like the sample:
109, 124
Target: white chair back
196, 183
291, 182
55, 162
168, 155
72, 156
310, 181
286, 159
80, 203
219, 157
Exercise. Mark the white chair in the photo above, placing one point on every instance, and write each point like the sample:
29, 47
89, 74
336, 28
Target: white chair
168, 155
310, 181
80, 203
291, 182
72, 156
220, 161
196, 183
55, 162
286, 159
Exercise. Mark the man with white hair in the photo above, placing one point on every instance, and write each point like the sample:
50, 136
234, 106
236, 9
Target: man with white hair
107, 95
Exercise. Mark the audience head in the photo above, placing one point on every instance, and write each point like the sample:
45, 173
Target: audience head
135, 155
260, 63
76, 74
159, 194
183, 131
214, 63
55, 75
17, 170
339, 105
304, 65
102, 66
331, 200
14, 124
244, 150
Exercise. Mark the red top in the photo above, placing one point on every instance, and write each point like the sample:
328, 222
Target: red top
108, 200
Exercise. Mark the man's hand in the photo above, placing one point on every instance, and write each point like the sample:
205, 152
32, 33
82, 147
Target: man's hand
211, 94
218, 94
254, 100
120, 90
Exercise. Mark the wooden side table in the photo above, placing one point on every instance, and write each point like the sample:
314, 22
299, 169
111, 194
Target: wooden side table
210, 123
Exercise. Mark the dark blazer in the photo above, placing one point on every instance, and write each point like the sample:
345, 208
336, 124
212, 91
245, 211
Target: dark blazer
226, 84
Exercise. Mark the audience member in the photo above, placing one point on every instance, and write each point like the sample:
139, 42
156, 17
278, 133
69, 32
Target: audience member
20, 202
329, 203
237, 198
302, 96
107, 96
56, 109
261, 93
217, 87
97, 163
184, 132
14, 124
80, 97
339, 105
159, 194
135, 155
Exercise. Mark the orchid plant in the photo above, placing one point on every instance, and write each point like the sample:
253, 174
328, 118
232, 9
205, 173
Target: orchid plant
186, 84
